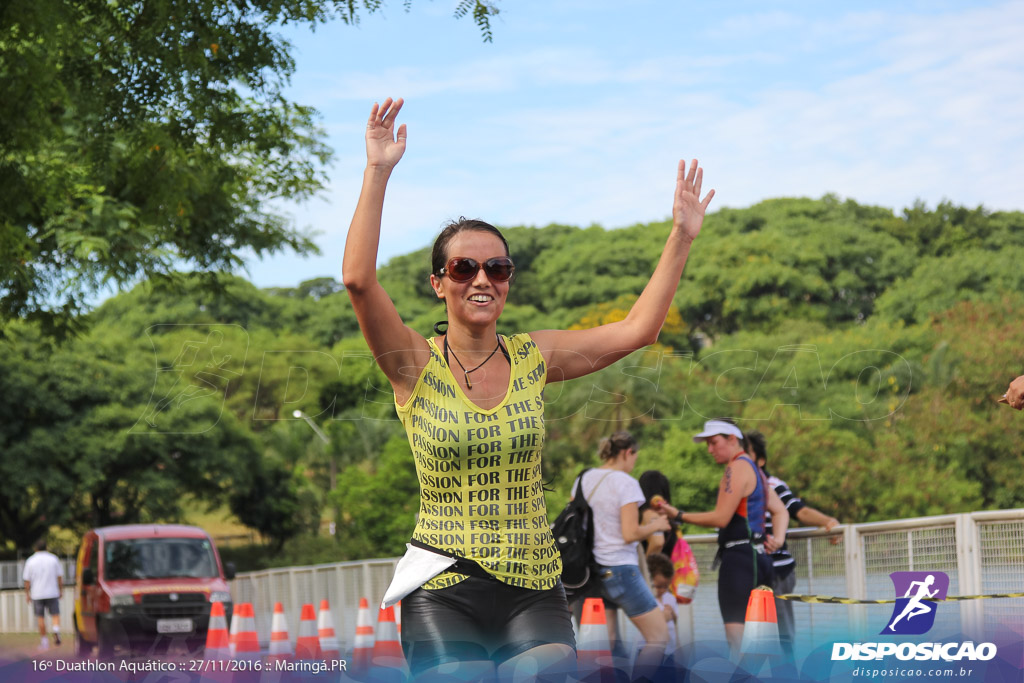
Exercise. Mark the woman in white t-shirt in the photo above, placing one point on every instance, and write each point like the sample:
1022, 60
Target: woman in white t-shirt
615, 498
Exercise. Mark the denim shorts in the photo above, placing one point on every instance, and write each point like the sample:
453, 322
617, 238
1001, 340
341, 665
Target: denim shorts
51, 605
625, 586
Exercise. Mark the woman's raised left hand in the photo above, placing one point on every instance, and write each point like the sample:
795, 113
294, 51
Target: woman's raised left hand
688, 208
385, 145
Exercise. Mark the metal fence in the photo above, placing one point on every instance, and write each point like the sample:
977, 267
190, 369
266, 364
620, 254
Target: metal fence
15, 611
341, 584
11, 572
982, 552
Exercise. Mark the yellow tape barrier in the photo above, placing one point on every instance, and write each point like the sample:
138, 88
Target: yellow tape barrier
828, 599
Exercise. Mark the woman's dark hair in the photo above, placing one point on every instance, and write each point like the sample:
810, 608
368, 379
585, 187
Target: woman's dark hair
757, 445
659, 564
610, 446
439, 255
743, 439
654, 483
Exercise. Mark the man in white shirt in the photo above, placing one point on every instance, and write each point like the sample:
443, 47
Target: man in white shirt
44, 583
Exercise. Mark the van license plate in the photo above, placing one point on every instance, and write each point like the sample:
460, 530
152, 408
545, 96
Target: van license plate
174, 626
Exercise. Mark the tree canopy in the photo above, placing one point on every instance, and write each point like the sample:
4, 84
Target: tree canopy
143, 138
847, 334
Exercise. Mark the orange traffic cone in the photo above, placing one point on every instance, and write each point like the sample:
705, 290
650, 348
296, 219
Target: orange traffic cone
329, 647
280, 645
217, 639
387, 650
246, 642
593, 651
307, 645
362, 644
233, 633
761, 630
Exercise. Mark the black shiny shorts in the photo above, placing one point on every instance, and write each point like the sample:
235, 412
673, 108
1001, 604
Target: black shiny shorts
479, 620
742, 570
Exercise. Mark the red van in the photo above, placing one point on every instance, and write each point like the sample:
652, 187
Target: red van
142, 587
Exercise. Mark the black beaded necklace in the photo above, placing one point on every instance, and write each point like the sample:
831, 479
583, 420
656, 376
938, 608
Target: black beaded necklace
465, 372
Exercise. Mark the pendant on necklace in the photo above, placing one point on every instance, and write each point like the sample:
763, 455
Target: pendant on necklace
469, 384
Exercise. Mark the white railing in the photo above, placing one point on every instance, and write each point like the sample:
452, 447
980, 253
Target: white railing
11, 573
16, 614
982, 552
341, 584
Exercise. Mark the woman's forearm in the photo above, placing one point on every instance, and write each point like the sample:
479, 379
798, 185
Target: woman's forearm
711, 519
646, 317
359, 269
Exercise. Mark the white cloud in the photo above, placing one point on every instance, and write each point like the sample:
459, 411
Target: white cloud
884, 107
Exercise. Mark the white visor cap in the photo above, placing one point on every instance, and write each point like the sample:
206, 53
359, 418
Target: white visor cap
713, 427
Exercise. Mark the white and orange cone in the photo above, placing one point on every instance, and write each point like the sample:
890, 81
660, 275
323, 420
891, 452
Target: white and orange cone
233, 633
217, 637
761, 629
593, 651
280, 644
362, 644
307, 645
329, 646
760, 644
387, 650
246, 643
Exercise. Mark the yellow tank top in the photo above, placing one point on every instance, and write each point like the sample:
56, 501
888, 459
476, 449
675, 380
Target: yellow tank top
481, 493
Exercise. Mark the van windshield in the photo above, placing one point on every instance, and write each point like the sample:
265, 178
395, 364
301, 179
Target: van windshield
157, 558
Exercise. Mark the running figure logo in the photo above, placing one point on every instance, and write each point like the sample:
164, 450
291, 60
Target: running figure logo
914, 613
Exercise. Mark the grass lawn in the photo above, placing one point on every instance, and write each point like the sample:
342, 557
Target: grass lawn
26, 646
217, 523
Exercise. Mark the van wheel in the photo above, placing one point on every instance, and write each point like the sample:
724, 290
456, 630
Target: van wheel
83, 648
104, 645
196, 647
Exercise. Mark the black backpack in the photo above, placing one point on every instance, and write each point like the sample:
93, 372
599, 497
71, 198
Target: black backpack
573, 530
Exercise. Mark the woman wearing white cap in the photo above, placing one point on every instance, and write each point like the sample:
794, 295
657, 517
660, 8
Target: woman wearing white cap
739, 516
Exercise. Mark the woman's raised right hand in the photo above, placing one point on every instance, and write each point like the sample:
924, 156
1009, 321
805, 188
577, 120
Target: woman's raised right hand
384, 145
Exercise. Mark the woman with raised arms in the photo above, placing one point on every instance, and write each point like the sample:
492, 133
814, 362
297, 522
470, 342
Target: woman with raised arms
471, 402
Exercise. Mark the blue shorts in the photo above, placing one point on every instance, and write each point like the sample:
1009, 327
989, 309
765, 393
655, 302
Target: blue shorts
51, 605
625, 586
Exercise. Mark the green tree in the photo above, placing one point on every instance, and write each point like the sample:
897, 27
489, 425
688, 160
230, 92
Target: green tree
862, 395
142, 137
270, 501
819, 260
379, 502
72, 453
950, 229
939, 282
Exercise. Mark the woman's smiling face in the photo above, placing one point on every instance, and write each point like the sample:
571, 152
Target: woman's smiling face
480, 300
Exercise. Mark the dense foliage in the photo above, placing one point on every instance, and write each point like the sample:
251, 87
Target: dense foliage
869, 347
142, 137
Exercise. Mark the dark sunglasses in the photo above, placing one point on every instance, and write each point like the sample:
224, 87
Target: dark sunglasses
461, 269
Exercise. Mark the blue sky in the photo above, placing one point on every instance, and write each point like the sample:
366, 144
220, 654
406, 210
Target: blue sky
578, 111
